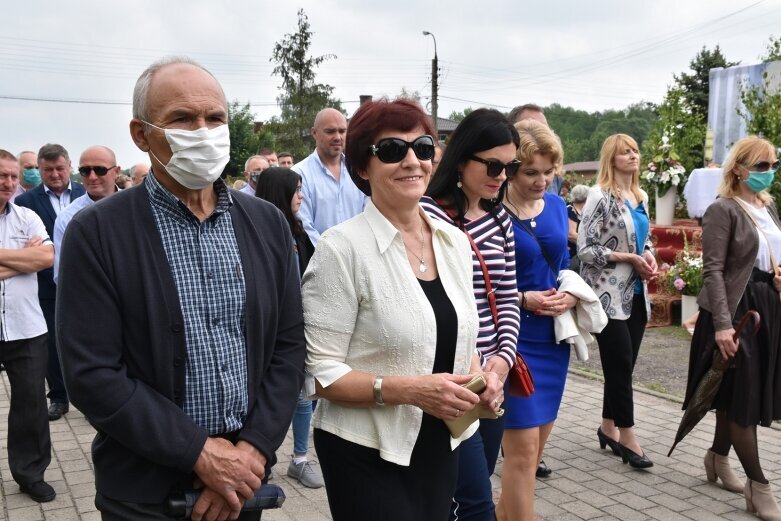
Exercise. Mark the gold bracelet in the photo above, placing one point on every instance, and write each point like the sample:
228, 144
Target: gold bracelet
377, 388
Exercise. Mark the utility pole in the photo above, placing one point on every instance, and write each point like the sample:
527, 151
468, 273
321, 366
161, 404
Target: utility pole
434, 85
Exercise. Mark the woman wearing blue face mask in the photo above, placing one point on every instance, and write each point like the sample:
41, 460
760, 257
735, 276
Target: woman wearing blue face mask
741, 247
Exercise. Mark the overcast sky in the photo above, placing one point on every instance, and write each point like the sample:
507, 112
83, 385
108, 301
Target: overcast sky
76, 62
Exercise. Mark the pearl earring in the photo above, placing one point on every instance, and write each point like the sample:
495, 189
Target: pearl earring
460, 184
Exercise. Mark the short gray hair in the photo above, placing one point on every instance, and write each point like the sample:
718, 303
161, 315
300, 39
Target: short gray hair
250, 158
52, 152
141, 90
579, 193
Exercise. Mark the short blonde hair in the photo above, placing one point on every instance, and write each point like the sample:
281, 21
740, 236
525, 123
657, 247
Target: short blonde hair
537, 138
606, 177
745, 153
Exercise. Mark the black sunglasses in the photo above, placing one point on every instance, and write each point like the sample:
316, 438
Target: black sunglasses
764, 166
100, 171
393, 149
495, 168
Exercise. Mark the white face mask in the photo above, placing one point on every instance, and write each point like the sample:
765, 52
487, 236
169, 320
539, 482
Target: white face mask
199, 156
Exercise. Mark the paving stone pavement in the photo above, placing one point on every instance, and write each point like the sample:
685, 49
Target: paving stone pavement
587, 483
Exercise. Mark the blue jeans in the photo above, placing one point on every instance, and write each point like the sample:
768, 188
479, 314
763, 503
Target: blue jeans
302, 418
473, 499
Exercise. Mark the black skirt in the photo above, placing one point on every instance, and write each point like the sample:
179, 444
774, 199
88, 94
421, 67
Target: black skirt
751, 390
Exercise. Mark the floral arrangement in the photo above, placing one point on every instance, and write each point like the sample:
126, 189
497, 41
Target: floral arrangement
685, 275
665, 170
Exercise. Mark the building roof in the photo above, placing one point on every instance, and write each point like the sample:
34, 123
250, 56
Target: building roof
582, 166
446, 125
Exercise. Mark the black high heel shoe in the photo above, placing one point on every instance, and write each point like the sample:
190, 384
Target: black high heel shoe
634, 459
605, 440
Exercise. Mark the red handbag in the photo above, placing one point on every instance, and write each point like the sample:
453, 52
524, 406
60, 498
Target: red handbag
520, 380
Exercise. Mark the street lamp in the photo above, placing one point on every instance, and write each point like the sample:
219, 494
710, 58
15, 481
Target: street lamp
434, 92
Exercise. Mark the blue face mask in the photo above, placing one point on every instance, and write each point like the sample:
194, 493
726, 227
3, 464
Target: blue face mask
32, 176
758, 181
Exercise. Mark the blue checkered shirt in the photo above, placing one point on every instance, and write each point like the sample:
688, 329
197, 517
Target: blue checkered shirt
206, 267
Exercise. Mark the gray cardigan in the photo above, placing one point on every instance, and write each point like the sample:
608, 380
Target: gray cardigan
121, 337
607, 226
730, 243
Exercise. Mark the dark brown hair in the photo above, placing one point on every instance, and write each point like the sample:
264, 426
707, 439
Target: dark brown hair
369, 121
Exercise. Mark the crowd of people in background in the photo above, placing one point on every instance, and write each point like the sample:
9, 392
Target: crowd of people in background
378, 294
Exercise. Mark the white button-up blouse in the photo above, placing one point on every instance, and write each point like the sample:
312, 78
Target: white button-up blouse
365, 310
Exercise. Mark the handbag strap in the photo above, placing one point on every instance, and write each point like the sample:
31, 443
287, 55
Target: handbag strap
489, 291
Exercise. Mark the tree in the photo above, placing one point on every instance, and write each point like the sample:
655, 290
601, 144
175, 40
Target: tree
245, 142
458, 116
772, 51
301, 97
409, 94
582, 133
683, 114
696, 84
762, 108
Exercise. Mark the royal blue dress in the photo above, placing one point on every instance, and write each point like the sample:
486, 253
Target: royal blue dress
547, 360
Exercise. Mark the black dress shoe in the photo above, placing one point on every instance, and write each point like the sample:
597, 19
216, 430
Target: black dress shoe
57, 409
605, 440
543, 471
39, 491
634, 459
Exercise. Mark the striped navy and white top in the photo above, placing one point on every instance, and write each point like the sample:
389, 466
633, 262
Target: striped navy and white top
496, 243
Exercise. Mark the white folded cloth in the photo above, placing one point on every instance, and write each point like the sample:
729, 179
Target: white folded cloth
576, 325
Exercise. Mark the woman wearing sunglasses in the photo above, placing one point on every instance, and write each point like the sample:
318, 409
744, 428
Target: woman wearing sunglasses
540, 227
741, 248
391, 326
614, 247
467, 192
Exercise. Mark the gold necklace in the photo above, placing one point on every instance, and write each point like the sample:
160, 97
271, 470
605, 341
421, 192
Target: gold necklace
532, 223
422, 266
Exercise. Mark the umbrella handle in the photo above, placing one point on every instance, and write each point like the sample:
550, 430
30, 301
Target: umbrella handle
743, 321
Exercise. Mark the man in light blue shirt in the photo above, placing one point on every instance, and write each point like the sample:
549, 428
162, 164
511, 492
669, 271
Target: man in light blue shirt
330, 196
252, 169
99, 170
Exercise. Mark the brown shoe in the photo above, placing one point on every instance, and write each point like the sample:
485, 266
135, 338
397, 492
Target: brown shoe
717, 467
760, 499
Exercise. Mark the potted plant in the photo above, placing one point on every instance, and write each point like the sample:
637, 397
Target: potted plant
685, 276
665, 172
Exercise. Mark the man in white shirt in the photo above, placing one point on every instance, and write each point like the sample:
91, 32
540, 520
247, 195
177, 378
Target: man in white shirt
252, 169
99, 171
25, 249
330, 196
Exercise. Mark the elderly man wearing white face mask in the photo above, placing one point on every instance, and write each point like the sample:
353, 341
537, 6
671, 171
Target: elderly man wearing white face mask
191, 365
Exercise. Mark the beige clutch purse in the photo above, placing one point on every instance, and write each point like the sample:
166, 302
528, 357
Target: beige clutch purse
459, 425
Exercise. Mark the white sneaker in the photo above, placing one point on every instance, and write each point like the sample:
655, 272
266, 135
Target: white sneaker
305, 474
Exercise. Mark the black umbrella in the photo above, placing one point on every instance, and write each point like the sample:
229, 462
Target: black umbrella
702, 398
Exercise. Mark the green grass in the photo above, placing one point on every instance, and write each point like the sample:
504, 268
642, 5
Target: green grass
659, 388
677, 332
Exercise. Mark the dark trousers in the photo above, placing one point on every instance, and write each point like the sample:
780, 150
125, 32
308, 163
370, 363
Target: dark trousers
54, 378
474, 499
29, 442
619, 344
112, 510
